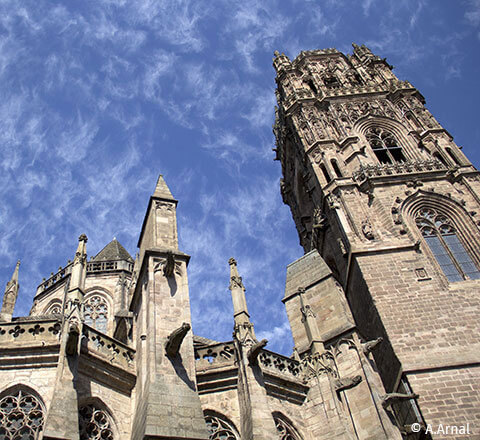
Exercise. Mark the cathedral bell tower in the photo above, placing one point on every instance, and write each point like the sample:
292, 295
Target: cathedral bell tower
379, 189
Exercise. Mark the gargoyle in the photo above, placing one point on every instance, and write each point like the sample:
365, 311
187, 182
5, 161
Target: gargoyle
370, 345
346, 383
72, 339
254, 351
169, 268
391, 398
175, 339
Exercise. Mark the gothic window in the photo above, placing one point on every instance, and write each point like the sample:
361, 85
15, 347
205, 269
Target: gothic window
452, 156
21, 416
385, 146
54, 309
442, 239
310, 84
336, 168
440, 158
220, 428
285, 430
325, 173
96, 313
94, 423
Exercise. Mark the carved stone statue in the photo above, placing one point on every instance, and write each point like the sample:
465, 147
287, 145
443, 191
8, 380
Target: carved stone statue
346, 383
254, 351
391, 398
370, 345
175, 339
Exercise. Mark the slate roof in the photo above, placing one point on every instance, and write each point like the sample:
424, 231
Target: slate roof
113, 251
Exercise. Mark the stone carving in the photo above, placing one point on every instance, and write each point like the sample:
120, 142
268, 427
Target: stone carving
410, 166
368, 346
280, 364
307, 311
215, 354
367, 230
254, 351
169, 267
346, 383
71, 347
175, 339
392, 398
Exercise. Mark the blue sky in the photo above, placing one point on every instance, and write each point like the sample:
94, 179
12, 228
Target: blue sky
100, 96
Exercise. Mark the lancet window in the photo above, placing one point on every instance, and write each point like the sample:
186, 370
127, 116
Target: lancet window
385, 146
94, 424
21, 416
284, 429
441, 236
220, 428
96, 313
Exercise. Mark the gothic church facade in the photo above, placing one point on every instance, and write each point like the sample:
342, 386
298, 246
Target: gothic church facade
384, 305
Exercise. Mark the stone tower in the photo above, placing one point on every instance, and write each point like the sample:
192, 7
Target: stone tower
385, 205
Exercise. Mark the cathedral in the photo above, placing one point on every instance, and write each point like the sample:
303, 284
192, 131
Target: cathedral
383, 306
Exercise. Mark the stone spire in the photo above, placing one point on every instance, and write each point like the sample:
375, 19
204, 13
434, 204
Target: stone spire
10, 296
162, 191
79, 271
159, 230
243, 326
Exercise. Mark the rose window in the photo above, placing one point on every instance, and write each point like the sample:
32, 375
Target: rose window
94, 424
21, 417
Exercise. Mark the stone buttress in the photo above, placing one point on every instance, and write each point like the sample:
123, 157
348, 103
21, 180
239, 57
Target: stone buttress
167, 404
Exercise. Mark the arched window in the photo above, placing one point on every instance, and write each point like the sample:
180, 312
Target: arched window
94, 423
55, 308
385, 146
96, 313
441, 237
437, 156
21, 416
336, 168
285, 429
325, 173
220, 428
453, 156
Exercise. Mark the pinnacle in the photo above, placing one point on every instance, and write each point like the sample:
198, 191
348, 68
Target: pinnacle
161, 190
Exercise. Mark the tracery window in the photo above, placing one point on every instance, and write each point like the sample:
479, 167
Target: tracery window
220, 428
284, 429
442, 239
385, 146
21, 416
96, 313
94, 424
55, 309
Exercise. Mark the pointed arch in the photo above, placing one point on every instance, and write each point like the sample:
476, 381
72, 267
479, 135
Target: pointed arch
219, 426
22, 412
394, 133
285, 428
448, 231
96, 421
